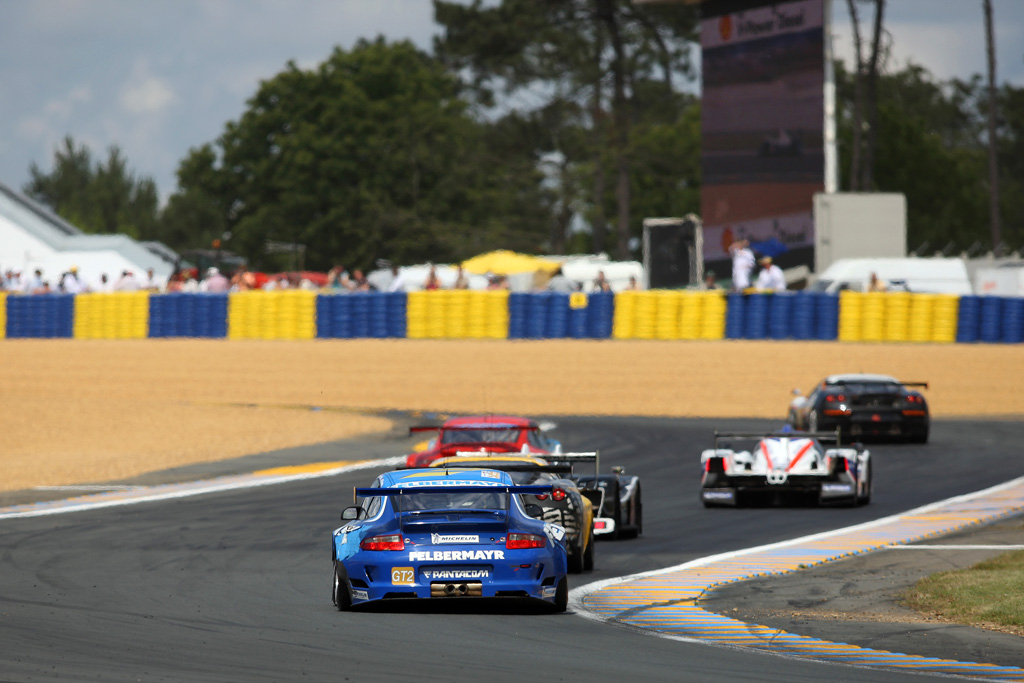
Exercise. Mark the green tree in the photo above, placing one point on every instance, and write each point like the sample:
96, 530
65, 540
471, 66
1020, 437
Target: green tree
592, 60
97, 198
373, 154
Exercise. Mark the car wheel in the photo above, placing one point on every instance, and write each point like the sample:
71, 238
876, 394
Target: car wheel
864, 497
639, 512
340, 595
921, 436
812, 421
562, 595
614, 491
588, 554
574, 562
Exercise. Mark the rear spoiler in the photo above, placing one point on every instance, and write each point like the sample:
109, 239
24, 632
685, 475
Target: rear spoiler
555, 459
522, 467
821, 436
915, 384
473, 428
415, 490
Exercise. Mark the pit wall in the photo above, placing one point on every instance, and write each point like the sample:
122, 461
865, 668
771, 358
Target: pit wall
462, 314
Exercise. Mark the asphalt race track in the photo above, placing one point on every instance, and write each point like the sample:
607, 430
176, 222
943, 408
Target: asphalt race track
236, 586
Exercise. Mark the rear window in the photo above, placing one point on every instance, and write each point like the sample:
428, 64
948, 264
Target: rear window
482, 500
507, 435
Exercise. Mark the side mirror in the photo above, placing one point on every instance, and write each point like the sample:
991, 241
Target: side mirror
353, 512
534, 510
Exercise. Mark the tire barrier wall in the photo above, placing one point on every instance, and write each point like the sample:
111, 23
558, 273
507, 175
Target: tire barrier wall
40, 316
120, 315
898, 317
188, 315
458, 314
290, 314
553, 315
790, 315
469, 314
361, 315
669, 314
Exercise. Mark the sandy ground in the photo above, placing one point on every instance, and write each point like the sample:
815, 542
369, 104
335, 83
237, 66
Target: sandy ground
84, 411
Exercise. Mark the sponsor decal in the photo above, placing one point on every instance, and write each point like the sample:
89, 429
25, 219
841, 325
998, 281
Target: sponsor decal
446, 482
402, 576
455, 555
438, 539
554, 531
719, 495
348, 528
359, 594
490, 474
836, 488
452, 574
548, 591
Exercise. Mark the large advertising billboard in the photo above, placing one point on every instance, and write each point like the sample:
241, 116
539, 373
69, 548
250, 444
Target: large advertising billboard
763, 127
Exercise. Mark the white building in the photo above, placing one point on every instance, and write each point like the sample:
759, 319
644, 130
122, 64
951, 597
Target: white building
32, 237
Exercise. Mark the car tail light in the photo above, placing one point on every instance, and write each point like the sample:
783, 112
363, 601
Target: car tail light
558, 494
522, 541
389, 542
541, 496
600, 524
830, 398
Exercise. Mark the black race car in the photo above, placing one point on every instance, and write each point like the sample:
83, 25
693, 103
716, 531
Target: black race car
863, 407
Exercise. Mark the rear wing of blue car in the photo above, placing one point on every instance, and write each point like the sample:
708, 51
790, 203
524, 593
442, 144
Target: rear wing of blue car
531, 490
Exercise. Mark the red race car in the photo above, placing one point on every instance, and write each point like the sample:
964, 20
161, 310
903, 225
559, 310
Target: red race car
492, 433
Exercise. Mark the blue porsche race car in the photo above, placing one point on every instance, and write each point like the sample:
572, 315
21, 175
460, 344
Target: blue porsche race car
431, 533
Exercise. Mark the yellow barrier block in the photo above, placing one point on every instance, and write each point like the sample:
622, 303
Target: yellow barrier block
713, 311
922, 309
851, 311
646, 309
117, 315
624, 320
944, 318
691, 308
416, 312
897, 316
456, 324
3, 315
666, 316
289, 314
497, 314
477, 319
873, 317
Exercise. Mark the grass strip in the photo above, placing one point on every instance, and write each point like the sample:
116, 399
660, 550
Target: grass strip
989, 595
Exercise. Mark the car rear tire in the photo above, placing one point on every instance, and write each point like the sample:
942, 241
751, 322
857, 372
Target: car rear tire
574, 562
865, 497
340, 595
812, 421
562, 595
920, 436
588, 554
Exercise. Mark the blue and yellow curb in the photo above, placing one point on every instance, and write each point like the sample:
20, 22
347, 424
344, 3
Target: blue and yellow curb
667, 601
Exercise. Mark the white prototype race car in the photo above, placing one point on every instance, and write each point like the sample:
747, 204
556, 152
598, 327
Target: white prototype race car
785, 464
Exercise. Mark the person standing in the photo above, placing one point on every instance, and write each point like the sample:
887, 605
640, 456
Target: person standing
742, 264
771, 278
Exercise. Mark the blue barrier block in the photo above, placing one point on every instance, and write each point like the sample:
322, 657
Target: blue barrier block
990, 326
360, 314
735, 315
40, 316
780, 309
968, 320
324, 316
397, 303
802, 315
518, 304
377, 322
557, 325
577, 322
826, 316
342, 327
600, 315
537, 315
755, 324
1013, 320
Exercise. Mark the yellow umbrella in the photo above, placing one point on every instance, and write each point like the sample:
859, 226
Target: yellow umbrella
504, 262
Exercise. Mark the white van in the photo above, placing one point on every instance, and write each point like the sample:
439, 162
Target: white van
934, 275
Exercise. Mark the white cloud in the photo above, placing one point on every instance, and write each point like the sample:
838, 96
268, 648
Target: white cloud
145, 93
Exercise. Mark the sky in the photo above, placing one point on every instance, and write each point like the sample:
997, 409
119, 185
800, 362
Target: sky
159, 77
